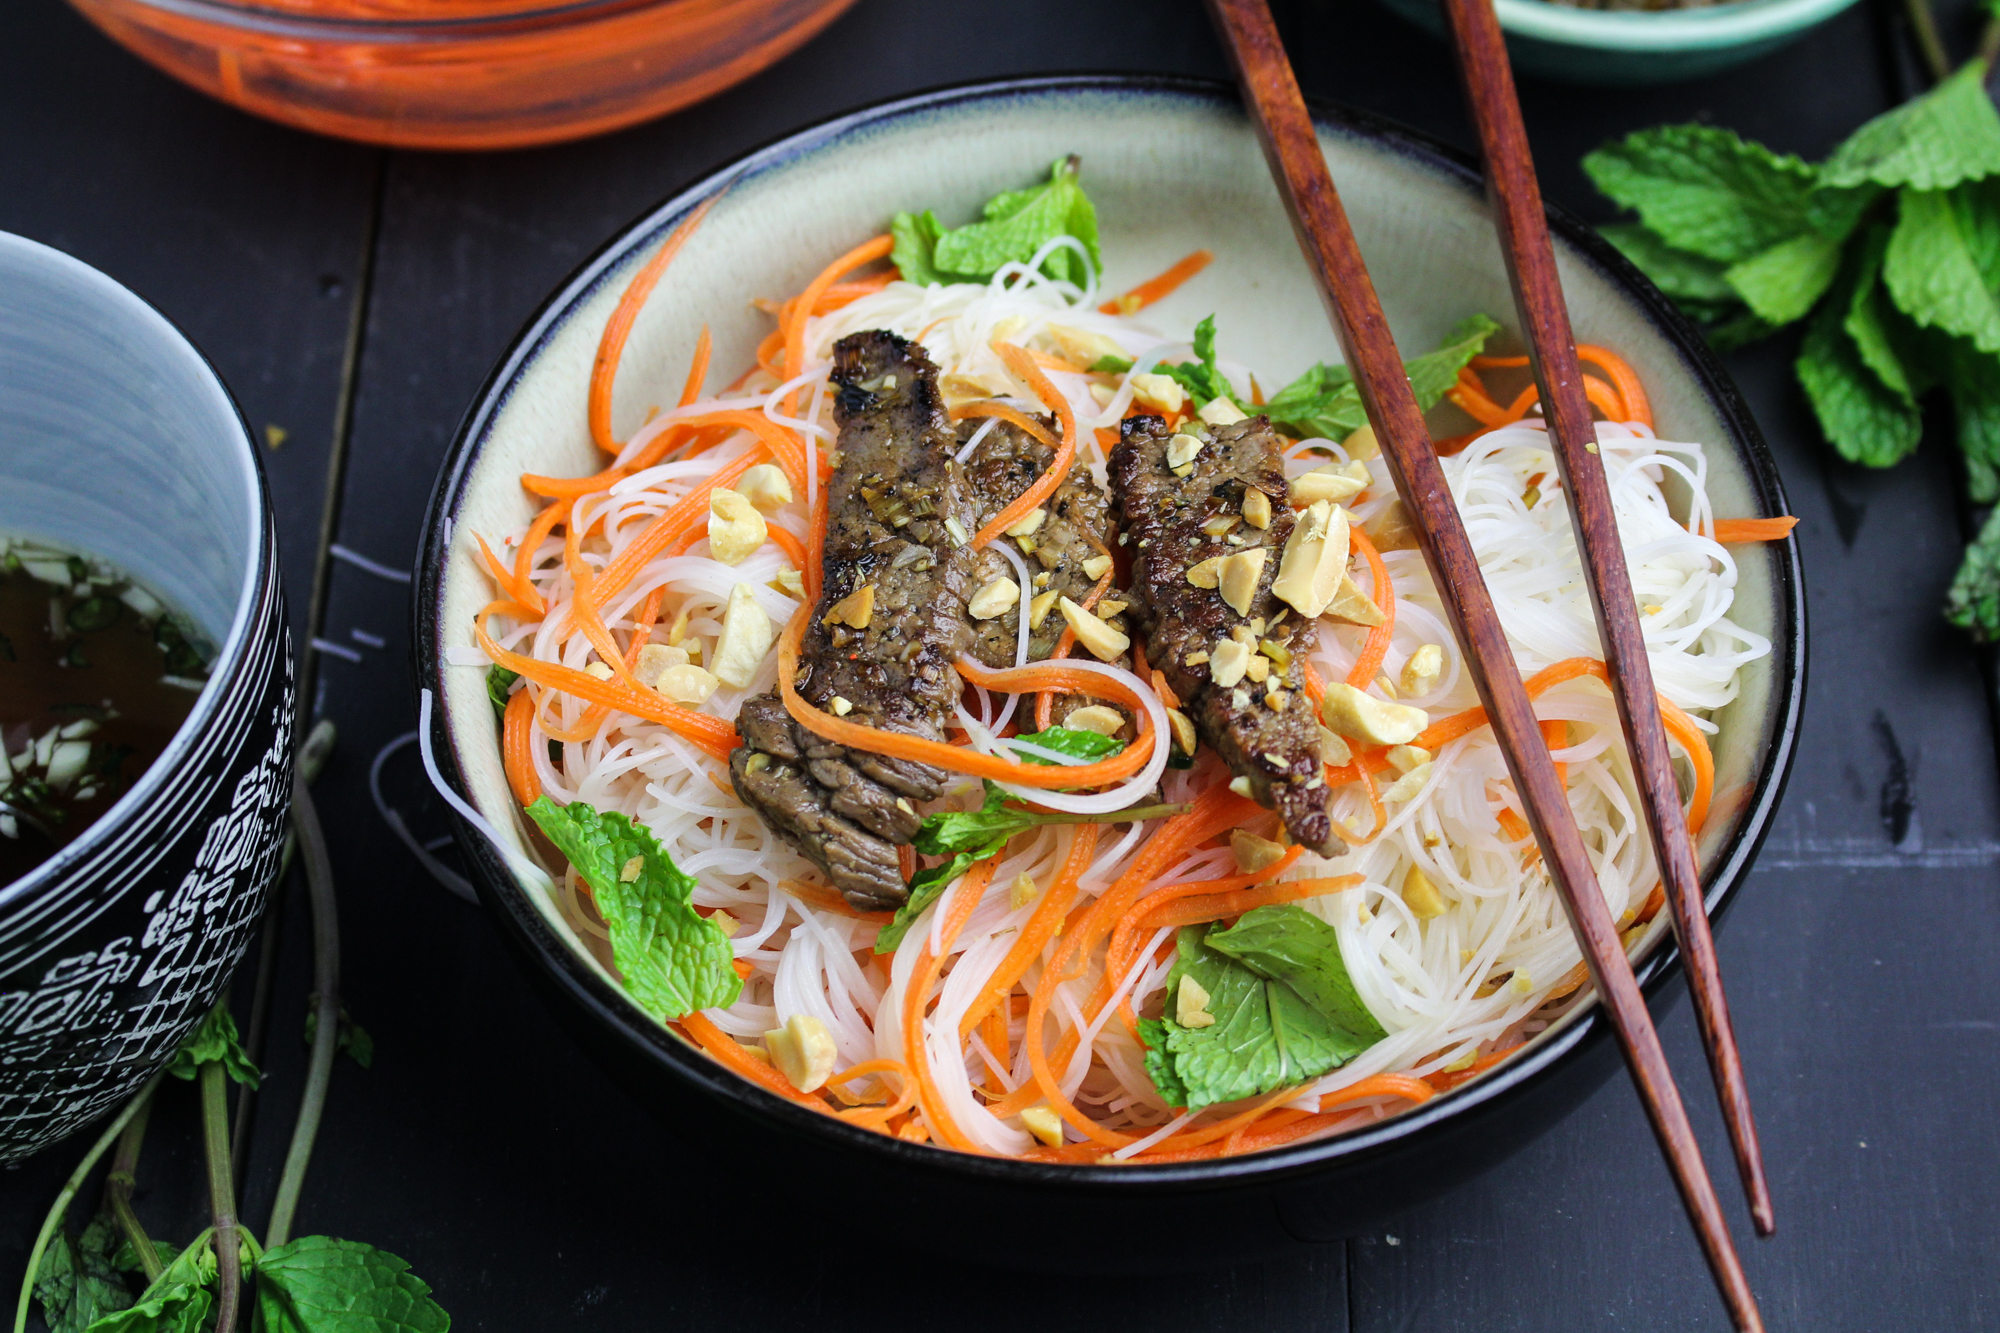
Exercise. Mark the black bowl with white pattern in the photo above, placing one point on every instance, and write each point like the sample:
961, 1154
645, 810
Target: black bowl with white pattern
117, 438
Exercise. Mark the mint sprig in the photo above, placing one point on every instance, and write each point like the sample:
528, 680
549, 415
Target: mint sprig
1888, 252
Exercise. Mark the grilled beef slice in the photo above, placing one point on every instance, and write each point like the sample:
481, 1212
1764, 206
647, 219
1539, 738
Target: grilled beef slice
1276, 748
893, 503
1076, 528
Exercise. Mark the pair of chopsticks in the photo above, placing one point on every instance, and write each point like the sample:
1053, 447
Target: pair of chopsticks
1297, 161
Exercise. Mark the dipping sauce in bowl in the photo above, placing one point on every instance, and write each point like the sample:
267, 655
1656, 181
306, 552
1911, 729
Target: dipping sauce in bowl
98, 674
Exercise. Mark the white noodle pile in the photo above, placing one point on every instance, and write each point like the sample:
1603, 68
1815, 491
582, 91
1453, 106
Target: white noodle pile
1444, 989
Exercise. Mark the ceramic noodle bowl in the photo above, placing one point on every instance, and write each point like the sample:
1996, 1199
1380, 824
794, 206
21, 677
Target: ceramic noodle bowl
117, 439
1172, 166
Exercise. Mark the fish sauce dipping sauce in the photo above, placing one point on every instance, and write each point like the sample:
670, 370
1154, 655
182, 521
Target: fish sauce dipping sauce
1001, 719
98, 674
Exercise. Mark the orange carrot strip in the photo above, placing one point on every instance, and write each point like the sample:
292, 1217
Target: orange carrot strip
1635, 405
1384, 593
712, 734
1044, 486
830, 901
697, 368
515, 737
802, 305
504, 577
1157, 288
937, 1116
1732, 531
1214, 906
729, 1053
1009, 413
1498, 362
1137, 922
611, 346
1040, 927
1555, 735
524, 559
960, 759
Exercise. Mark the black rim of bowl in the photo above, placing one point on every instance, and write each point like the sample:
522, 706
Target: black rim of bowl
610, 1007
229, 654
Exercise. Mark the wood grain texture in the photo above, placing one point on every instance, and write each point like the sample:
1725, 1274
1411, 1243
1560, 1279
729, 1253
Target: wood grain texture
1538, 300
1292, 145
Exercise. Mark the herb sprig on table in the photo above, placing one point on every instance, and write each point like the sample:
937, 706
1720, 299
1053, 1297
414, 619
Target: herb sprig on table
1888, 251
225, 1278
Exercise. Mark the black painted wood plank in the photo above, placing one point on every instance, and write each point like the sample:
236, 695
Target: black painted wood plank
245, 234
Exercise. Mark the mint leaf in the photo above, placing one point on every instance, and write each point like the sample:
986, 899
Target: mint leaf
1972, 378
1932, 267
1013, 226
916, 236
1291, 945
1707, 191
952, 831
1880, 331
673, 960
1863, 417
1160, 1062
178, 1300
348, 1035
1950, 134
214, 1038
1324, 403
1266, 1035
77, 1283
317, 1284
927, 886
1200, 377
1973, 603
1782, 283
499, 684
1680, 274
1076, 742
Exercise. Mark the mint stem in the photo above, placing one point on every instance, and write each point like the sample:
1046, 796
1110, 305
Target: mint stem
1130, 816
1923, 25
60, 1208
221, 1191
118, 1186
326, 1035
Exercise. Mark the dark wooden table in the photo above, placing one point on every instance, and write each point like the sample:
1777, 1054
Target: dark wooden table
354, 299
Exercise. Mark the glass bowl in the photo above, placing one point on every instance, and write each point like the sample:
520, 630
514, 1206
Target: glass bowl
461, 74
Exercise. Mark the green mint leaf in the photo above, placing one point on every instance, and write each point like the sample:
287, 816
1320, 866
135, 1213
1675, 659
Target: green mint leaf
1291, 945
317, 1284
77, 1283
1932, 267
1730, 330
1782, 283
1111, 365
1950, 134
1075, 742
1707, 191
214, 1038
1201, 378
1013, 227
1887, 341
499, 684
1160, 1062
1865, 419
952, 831
1973, 603
926, 887
1684, 276
348, 1035
916, 236
1324, 403
673, 960
1972, 379
177, 1302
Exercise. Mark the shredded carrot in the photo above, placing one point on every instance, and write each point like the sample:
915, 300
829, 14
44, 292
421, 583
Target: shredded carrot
1443, 1080
1384, 594
830, 900
1555, 735
924, 975
1040, 928
1009, 413
1045, 485
1157, 288
611, 346
515, 737
961, 759
1636, 406
794, 549
1734, 531
729, 1052
802, 306
504, 578
1498, 362
524, 559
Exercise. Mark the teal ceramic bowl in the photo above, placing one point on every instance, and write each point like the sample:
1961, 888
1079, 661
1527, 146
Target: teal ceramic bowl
1626, 47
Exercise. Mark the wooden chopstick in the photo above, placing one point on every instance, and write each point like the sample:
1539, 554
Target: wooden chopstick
1299, 165
1538, 298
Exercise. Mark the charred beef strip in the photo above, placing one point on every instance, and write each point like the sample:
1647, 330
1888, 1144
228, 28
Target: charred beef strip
891, 620
1264, 730
1073, 534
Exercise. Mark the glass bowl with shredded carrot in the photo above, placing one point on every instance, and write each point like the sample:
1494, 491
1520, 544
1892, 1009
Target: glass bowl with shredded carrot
1104, 951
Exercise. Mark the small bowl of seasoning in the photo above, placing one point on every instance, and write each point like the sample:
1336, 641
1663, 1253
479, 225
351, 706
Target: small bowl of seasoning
1621, 43
145, 693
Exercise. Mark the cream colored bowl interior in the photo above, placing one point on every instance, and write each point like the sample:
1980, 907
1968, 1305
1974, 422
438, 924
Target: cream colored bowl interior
1170, 172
